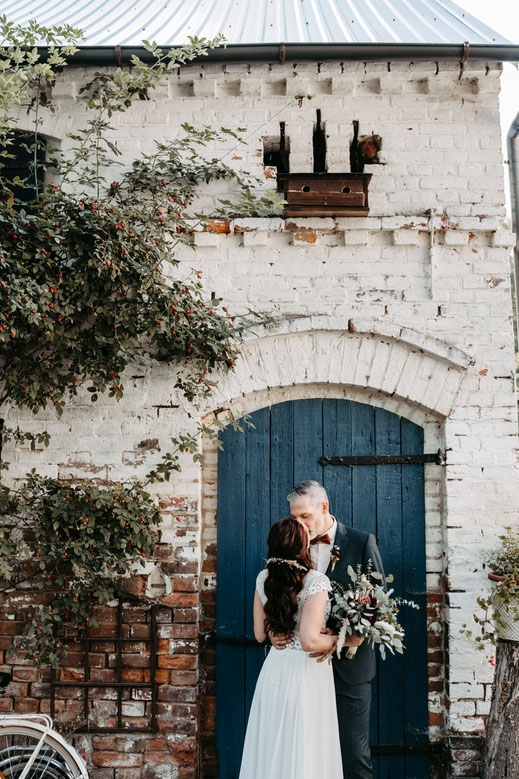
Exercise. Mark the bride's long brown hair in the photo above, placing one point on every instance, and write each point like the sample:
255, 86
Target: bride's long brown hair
288, 540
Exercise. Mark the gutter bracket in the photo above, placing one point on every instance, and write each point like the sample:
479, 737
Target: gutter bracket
282, 53
464, 58
118, 56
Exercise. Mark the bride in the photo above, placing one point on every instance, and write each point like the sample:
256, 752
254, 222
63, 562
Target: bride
292, 732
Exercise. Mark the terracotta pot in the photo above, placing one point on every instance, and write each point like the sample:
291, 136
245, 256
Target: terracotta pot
496, 577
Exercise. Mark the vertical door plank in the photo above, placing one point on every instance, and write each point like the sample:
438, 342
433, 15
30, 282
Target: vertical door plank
364, 513
415, 622
337, 441
230, 602
364, 477
257, 501
281, 459
389, 533
308, 440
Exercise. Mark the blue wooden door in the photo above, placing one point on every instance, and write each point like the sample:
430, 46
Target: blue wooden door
256, 470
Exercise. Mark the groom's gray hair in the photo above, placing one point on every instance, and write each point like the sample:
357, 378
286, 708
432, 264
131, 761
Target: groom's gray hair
308, 489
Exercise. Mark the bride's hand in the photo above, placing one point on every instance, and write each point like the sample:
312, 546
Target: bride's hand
278, 640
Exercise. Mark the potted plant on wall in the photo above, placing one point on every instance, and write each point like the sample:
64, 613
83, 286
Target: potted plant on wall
500, 627
503, 600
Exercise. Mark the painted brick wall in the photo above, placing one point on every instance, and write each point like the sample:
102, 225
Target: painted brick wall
408, 308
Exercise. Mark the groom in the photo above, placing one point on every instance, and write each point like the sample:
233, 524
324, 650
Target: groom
334, 546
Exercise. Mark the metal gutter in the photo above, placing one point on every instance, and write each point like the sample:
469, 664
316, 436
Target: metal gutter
513, 156
301, 52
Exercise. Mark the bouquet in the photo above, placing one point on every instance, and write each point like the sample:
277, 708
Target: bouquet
367, 610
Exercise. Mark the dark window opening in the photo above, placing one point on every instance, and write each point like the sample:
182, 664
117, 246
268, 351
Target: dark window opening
19, 166
319, 144
276, 151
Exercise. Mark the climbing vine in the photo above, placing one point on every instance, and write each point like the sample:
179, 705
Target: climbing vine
89, 285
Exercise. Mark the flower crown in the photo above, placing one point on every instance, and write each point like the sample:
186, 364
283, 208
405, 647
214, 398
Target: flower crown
282, 560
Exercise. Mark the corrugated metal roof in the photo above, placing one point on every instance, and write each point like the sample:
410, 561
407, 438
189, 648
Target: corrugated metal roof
170, 22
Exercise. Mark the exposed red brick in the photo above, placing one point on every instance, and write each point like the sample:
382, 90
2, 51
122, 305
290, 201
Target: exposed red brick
183, 678
181, 599
104, 743
26, 705
162, 551
134, 661
184, 662
140, 631
185, 584
178, 631
102, 675
156, 745
178, 694
10, 627
185, 615
163, 646
132, 675
116, 759
307, 237
72, 674
160, 758
24, 674
162, 675
189, 773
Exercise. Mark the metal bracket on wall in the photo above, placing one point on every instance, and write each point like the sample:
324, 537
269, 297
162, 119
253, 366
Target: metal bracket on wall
439, 458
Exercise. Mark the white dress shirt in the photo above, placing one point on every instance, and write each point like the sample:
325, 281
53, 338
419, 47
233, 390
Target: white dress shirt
321, 553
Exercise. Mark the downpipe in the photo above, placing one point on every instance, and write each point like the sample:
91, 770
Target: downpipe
513, 158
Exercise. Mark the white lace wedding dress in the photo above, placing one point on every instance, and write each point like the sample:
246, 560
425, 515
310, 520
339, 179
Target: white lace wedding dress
292, 732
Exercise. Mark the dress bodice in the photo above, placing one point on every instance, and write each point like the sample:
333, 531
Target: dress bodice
314, 582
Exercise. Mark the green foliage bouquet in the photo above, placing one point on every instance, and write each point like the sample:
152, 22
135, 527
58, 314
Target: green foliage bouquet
366, 609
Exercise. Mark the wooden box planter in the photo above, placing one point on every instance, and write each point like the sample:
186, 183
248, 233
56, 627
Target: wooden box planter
325, 194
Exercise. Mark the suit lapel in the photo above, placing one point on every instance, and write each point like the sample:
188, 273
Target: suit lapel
341, 537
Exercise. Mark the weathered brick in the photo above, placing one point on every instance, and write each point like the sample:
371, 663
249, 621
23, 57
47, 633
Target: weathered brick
116, 760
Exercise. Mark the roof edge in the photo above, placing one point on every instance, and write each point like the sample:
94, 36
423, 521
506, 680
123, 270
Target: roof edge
301, 52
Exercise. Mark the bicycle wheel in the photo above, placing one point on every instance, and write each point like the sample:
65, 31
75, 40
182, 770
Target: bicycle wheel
56, 759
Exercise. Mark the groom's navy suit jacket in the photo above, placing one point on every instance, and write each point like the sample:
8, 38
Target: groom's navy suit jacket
356, 547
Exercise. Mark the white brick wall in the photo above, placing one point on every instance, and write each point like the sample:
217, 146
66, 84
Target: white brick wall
403, 309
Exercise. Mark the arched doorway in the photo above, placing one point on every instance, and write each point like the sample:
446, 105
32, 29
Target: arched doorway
256, 470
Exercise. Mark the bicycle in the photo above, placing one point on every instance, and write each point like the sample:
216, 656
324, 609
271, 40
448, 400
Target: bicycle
31, 749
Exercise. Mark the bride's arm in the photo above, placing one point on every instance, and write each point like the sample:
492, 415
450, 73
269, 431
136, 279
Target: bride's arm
312, 618
259, 619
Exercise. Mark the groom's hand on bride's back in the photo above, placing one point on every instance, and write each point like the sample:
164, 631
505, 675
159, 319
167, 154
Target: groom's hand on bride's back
278, 640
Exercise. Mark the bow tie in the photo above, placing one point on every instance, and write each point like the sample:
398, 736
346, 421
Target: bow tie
324, 539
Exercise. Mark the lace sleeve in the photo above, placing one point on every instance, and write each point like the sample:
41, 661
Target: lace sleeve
316, 582
260, 585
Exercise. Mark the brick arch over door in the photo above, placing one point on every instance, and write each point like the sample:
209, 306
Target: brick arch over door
426, 377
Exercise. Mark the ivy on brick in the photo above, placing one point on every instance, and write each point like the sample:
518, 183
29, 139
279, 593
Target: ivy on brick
78, 544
